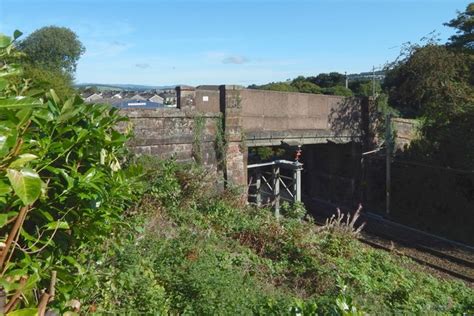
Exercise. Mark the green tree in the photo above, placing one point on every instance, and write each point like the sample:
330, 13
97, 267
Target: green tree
42, 79
53, 48
338, 90
464, 25
430, 80
306, 86
278, 86
89, 89
364, 87
50, 59
331, 79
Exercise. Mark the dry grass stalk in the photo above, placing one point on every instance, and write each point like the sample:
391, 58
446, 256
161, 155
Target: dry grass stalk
345, 223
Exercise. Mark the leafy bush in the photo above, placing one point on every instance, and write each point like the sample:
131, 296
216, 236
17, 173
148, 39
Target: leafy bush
295, 210
62, 185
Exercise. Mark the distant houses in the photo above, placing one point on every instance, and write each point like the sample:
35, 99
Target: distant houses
93, 97
133, 99
169, 97
157, 99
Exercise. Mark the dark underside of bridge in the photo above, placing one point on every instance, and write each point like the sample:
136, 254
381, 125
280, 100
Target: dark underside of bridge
331, 171
334, 176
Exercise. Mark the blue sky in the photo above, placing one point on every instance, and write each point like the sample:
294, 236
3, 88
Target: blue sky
232, 42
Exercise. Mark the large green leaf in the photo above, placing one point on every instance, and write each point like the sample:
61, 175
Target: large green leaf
44, 114
67, 110
57, 225
22, 160
23, 115
26, 184
8, 137
19, 102
54, 96
17, 34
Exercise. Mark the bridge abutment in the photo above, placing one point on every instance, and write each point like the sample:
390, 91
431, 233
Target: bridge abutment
235, 172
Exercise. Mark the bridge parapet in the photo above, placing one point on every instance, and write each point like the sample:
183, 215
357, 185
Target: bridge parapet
183, 134
265, 112
281, 111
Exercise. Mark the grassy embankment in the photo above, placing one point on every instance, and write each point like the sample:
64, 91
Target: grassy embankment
188, 250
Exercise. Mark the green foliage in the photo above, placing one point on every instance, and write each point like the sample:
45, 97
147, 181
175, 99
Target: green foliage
447, 145
220, 143
53, 48
331, 84
464, 25
199, 125
305, 86
328, 80
62, 185
128, 283
338, 90
279, 86
435, 83
295, 210
364, 88
266, 153
430, 80
44, 79
24, 182
203, 253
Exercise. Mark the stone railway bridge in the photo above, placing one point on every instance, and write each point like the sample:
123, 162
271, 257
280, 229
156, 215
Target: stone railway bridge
332, 131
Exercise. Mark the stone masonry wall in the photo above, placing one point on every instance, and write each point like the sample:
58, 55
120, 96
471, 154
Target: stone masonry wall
167, 133
274, 116
236, 154
406, 131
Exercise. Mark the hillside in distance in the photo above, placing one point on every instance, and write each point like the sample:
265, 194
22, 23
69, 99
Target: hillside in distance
122, 87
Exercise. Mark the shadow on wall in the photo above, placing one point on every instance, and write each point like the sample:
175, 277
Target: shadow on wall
345, 120
349, 119
358, 118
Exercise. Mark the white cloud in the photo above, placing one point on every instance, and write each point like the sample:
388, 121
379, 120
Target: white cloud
237, 60
143, 65
100, 48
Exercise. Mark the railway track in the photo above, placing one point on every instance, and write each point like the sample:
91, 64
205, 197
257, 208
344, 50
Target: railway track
437, 260
446, 257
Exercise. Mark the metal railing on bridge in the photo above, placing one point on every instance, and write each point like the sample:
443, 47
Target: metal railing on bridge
270, 183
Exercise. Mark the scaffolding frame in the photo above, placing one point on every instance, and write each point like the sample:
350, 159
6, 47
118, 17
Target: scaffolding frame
276, 183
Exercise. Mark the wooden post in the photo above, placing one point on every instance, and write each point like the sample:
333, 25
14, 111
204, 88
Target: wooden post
276, 189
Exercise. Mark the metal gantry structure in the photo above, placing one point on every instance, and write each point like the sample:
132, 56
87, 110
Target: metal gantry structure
270, 183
